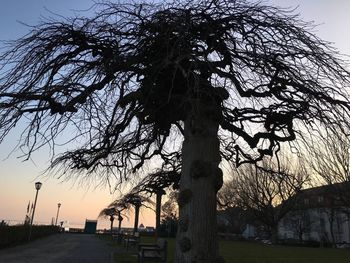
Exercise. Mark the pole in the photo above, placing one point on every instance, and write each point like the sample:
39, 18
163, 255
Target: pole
31, 221
58, 210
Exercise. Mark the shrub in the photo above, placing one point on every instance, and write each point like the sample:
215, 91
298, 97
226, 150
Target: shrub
14, 235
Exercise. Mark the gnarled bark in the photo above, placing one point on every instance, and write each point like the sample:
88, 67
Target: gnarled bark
200, 180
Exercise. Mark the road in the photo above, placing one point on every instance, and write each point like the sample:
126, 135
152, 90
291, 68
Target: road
60, 248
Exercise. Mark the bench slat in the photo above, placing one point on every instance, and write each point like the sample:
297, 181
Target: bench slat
155, 251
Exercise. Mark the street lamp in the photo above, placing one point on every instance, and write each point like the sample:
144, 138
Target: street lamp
37, 187
58, 210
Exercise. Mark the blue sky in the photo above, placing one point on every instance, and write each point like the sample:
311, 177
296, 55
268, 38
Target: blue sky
17, 178
29, 12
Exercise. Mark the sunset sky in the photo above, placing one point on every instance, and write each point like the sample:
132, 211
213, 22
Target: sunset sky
84, 202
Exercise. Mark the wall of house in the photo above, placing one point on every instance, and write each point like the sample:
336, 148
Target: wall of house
249, 232
315, 224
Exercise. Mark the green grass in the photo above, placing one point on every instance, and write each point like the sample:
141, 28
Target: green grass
246, 252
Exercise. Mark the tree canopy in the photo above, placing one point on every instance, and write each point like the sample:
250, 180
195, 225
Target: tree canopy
235, 79
124, 79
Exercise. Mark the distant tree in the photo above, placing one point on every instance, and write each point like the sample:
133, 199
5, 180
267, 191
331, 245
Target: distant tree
228, 195
169, 216
156, 183
268, 192
115, 210
170, 207
3, 223
168, 226
330, 160
235, 79
110, 213
136, 201
299, 221
236, 216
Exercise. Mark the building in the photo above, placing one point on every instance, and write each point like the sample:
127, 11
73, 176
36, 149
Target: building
90, 226
320, 214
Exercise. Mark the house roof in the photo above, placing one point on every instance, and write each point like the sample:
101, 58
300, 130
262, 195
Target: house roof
324, 196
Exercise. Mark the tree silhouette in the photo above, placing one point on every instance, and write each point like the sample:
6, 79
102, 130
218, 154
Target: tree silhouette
268, 192
329, 158
135, 200
114, 210
235, 79
110, 213
156, 183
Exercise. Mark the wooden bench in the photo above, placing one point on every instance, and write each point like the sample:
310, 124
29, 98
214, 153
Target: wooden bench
131, 240
118, 237
153, 252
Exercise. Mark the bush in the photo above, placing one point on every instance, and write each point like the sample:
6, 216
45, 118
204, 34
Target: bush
14, 235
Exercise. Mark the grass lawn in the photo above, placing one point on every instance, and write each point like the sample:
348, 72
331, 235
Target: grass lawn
245, 252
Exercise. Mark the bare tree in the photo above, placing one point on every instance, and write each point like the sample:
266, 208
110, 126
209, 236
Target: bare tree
110, 213
228, 197
156, 183
135, 200
330, 159
300, 222
115, 210
229, 207
235, 79
268, 192
170, 208
169, 215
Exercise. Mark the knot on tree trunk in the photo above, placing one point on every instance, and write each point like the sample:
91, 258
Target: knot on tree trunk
183, 224
201, 168
185, 244
184, 197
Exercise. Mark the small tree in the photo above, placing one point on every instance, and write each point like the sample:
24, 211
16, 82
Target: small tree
234, 79
231, 209
268, 192
137, 201
110, 213
170, 207
300, 222
156, 183
329, 158
169, 215
113, 210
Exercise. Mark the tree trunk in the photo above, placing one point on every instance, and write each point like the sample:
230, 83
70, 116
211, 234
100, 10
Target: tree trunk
274, 234
136, 222
111, 219
120, 219
331, 226
300, 232
158, 211
201, 178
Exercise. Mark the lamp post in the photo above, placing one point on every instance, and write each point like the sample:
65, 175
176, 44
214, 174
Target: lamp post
37, 187
58, 210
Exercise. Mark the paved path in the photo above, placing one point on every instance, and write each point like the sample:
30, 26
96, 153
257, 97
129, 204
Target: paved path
60, 248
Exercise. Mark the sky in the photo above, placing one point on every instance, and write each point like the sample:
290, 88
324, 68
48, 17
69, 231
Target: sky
17, 177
